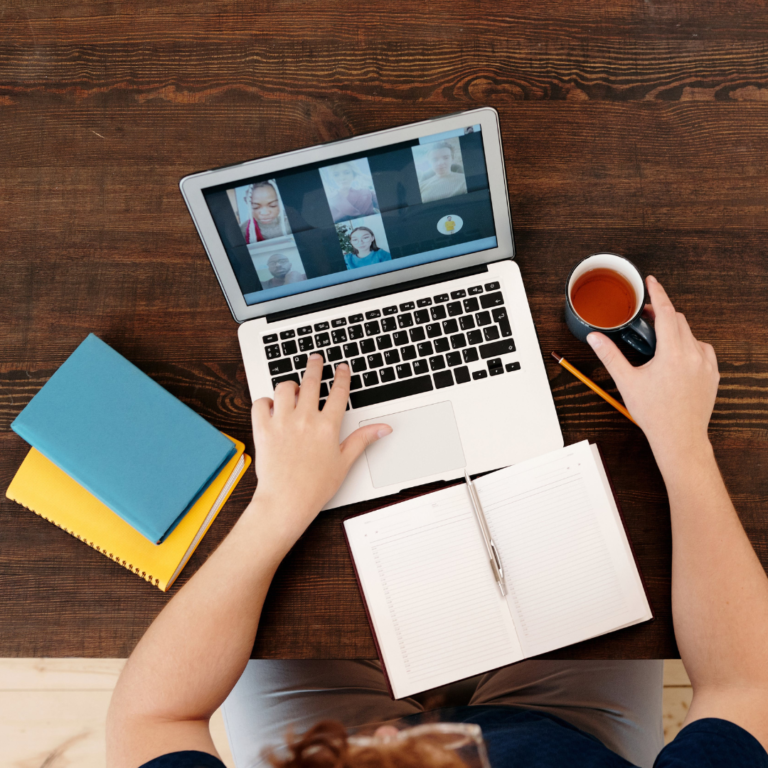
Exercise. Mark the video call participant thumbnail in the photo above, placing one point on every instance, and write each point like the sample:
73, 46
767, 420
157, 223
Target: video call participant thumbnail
282, 271
267, 217
349, 189
365, 250
445, 177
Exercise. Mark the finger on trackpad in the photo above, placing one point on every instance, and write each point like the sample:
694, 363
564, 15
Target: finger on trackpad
425, 441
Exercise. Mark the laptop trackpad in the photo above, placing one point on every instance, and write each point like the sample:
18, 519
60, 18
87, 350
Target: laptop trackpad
425, 441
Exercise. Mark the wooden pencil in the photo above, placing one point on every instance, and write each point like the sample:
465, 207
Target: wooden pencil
591, 384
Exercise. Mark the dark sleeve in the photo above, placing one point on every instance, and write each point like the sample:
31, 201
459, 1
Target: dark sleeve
187, 759
711, 743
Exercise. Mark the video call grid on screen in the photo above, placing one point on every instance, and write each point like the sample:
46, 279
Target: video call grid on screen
356, 216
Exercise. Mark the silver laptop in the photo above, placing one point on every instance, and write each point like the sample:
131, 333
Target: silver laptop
393, 252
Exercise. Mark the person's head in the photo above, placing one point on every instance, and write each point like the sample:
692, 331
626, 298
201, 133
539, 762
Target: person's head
363, 241
279, 265
441, 158
448, 218
343, 175
265, 206
327, 745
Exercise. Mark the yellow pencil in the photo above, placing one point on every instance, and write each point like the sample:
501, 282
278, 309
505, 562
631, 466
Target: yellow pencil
591, 384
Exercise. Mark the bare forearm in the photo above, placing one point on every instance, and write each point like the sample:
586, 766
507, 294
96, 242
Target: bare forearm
196, 649
719, 588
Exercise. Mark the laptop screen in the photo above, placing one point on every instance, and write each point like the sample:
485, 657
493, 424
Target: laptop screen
357, 216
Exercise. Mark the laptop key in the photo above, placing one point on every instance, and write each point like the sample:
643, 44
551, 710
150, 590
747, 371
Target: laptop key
453, 358
322, 326
375, 361
272, 351
289, 377
499, 313
443, 379
496, 371
358, 365
404, 371
460, 294
372, 314
421, 316
400, 338
423, 302
327, 372
492, 286
438, 313
405, 321
339, 336
491, 333
462, 375
483, 318
407, 306
398, 389
351, 350
300, 362
480, 375
356, 382
334, 354
469, 354
442, 345
280, 366
512, 367
502, 347
434, 330
391, 356
475, 337
322, 340
356, 332
450, 326
370, 379
270, 338
408, 353
390, 310
437, 362
338, 322
489, 300
425, 349
505, 327
495, 363
367, 346
417, 334
287, 334
324, 390
466, 322
383, 342
372, 328
389, 324
458, 341
475, 289
454, 308
306, 344
355, 318
471, 305
289, 348
304, 330
420, 367
386, 375
441, 298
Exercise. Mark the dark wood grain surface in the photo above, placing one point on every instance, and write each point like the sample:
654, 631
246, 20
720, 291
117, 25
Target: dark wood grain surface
635, 127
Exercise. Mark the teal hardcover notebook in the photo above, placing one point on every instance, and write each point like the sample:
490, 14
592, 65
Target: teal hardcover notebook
124, 438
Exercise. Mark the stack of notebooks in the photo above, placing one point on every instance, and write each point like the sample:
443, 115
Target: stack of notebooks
436, 611
122, 465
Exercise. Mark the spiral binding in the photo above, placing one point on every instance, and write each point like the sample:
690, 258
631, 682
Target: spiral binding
143, 574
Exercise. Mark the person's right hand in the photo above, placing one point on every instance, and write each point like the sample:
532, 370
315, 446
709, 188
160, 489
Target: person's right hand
671, 397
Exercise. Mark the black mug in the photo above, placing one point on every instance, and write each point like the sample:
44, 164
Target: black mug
636, 332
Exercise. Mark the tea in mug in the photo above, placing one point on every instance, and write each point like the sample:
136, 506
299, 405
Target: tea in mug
604, 298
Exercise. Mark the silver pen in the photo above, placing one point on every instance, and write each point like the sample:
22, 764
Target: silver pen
493, 554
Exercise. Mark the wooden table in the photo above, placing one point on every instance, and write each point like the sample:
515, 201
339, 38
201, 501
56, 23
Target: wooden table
634, 127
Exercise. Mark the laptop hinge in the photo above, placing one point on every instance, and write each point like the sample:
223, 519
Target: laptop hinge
443, 277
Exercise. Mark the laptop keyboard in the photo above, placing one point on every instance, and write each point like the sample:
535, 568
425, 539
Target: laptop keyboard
404, 349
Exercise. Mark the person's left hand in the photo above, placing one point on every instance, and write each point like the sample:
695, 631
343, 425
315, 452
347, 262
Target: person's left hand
300, 463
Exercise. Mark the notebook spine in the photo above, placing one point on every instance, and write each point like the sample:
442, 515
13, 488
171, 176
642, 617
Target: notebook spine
116, 558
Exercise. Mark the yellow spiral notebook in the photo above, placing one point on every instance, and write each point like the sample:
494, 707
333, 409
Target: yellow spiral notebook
52, 494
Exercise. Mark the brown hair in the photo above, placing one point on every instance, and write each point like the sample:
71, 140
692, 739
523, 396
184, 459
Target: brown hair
374, 247
325, 746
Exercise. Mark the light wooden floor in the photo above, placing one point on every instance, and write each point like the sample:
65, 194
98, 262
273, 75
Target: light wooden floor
52, 711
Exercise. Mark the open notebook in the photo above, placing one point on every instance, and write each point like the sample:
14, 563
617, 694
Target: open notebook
436, 611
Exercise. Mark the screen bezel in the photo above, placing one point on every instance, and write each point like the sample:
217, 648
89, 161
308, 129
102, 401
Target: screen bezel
193, 186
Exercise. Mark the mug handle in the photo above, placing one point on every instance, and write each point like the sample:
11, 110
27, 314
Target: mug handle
641, 337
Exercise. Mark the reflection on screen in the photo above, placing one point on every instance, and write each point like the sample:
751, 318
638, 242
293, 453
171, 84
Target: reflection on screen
362, 215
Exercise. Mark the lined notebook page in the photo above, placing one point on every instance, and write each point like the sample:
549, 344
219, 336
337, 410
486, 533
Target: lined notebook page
566, 559
436, 609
